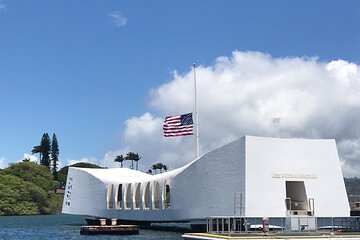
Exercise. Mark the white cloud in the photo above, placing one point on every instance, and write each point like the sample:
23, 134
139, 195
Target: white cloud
118, 19
32, 158
3, 163
142, 127
256, 94
109, 157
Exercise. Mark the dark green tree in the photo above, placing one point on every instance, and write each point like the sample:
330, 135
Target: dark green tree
120, 159
44, 150
54, 156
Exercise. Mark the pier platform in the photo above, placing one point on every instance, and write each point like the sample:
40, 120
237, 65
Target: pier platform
112, 229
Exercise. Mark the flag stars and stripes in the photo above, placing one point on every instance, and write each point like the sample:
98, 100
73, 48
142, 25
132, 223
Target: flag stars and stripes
179, 125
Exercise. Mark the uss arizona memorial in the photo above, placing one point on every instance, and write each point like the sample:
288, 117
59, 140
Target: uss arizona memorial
249, 177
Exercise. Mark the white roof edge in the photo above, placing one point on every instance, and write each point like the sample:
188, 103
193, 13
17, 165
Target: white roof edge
287, 138
103, 173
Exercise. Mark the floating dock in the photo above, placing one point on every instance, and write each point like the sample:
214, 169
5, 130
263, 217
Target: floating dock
317, 236
112, 229
292, 228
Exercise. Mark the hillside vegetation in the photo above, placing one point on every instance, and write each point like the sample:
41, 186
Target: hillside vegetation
352, 186
26, 189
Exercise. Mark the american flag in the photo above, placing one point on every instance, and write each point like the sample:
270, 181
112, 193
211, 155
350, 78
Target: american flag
180, 125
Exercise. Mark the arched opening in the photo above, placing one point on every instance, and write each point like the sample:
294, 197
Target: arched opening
119, 197
156, 195
166, 194
110, 197
137, 196
146, 196
127, 196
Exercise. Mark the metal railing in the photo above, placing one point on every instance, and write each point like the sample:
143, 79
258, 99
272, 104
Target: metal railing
233, 224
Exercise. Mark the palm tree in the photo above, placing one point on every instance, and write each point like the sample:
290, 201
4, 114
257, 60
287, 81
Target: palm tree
37, 149
160, 166
154, 167
120, 159
129, 156
44, 150
133, 157
136, 159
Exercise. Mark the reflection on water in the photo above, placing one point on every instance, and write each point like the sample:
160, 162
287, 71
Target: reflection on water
64, 227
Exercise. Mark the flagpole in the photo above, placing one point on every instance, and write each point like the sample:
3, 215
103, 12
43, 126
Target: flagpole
197, 150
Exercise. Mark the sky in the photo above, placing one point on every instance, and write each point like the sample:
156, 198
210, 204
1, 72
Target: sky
102, 75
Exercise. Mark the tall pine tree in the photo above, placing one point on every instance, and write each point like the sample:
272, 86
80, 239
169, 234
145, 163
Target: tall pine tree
45, 146
54, 156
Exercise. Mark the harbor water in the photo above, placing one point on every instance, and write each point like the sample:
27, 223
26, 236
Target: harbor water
65, 227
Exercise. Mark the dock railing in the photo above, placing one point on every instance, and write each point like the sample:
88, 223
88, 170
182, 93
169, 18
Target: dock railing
236, 224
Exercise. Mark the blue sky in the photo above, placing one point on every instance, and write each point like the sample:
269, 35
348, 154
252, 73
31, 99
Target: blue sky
89, 70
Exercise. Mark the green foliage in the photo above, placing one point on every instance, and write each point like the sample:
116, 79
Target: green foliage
85, 165
45, 146
159, 166
19, 197
54, 156
36, 149
48, 153
120, 159
55, 202
27, 188
34, 173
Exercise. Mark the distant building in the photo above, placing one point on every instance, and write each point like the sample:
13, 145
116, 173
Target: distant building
249, 177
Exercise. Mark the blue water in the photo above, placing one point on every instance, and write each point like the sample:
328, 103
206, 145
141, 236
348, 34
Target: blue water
64, 227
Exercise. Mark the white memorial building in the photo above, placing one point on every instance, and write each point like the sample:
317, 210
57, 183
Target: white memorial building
249, 177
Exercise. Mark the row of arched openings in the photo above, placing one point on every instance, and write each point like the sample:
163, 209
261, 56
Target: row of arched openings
146, 196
